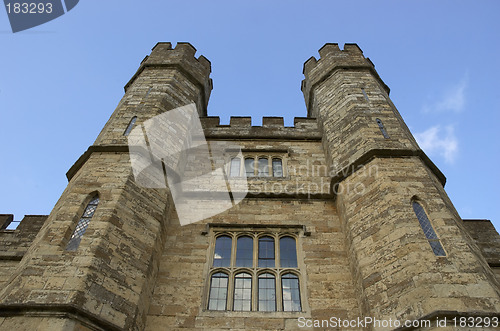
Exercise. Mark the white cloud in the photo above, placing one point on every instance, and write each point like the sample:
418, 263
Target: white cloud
453, 99
437, 141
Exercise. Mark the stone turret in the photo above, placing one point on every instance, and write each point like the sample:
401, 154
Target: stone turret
375, 235
106, 281
381, 171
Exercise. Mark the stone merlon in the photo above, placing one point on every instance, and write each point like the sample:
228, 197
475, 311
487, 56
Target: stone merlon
333, 58
182, 57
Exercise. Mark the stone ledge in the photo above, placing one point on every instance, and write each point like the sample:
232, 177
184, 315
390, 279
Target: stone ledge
256, 226
308, 88
384, 153
178, 67
293, 196
69, 311
94, 148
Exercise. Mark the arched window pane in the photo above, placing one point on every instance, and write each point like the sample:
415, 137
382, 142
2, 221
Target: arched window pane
235, 167
263, 167
291, 292
222, 253
218, 291
266, 252
429, 232
277, 168
130, 126
242, 292
244, 252
267, 293
424, 221
382, 128
249, 167
288, 253
82, 225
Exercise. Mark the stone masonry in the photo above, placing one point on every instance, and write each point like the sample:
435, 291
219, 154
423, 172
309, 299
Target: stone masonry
351, 171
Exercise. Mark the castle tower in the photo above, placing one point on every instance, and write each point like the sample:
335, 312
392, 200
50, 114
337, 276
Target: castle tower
102, 280
341, 217
388, 193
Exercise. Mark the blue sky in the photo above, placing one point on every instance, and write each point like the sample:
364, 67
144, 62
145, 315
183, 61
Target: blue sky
61, 81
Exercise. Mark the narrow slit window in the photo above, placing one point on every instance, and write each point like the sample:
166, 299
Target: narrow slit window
82, 225
277, 168
218, 291
290, 292
266, 252
267, 292
382, 128
130, 126
222, 252
263, 167
429, 232
288, 253
242, 292
365, 95
235, 167
244, 252
249, 167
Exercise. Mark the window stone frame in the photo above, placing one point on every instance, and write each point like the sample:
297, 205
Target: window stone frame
256, 155
255, 231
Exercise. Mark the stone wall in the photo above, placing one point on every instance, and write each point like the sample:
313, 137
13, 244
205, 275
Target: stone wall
15, 243
182, 285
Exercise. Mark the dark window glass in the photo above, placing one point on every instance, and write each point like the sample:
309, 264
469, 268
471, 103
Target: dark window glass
277, 168
263, 167
130, 126
218, 291
382, 128
291, 292
288, 253
266, 252
249, 167
429, 232
235, 167
242, 292
222, 253
267, 293
82, 225
244, 252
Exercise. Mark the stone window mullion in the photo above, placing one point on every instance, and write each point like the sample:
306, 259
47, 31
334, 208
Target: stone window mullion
239, 271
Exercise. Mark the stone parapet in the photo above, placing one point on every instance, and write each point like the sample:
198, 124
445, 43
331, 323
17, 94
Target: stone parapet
272, 128
182, 57
333, 58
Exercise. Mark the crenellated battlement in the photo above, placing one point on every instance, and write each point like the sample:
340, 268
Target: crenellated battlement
267, 121
331, 54
182, 58
332, 58
163, 53
14, 243
240, 127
